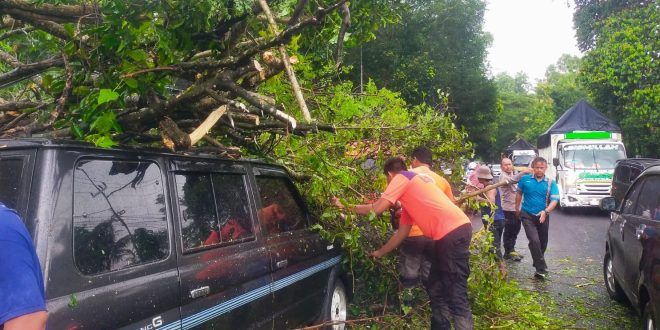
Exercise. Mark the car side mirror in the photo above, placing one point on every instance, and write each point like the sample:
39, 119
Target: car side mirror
608, 204
555, 161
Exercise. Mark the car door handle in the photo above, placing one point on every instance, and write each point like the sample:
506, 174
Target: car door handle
640, 231
623, 224
200, 292
281, 264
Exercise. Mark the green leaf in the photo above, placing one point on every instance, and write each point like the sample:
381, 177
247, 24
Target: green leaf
107, 95
69, 28
104, 123
47, 80
104, 141
73, 301
77, 131
132, 83
138, 55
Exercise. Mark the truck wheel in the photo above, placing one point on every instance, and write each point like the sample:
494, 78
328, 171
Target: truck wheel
335, 308
613, 288
648, 317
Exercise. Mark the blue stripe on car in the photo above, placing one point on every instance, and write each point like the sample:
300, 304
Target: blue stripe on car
231, 304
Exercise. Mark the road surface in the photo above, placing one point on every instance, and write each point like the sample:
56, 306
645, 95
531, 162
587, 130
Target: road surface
575, 259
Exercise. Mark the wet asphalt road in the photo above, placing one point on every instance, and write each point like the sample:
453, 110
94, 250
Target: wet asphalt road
575, 259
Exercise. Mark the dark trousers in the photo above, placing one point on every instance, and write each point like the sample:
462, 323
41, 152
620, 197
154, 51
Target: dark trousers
448, 280
414, 262
512, 226
497, 228
537, 234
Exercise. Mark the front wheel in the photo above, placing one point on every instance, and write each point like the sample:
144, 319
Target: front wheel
335, 309
613, 288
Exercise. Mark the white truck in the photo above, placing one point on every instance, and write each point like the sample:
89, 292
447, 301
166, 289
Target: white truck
582, 148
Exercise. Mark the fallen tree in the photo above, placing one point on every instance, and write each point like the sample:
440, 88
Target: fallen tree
113, 71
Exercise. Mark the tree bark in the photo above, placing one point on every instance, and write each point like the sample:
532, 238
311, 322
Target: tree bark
287, 64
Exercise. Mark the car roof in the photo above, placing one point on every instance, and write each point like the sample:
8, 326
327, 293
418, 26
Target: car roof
640, 162
29, 143
653, 169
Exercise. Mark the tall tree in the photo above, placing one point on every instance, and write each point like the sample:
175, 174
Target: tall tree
524, 114
561, 84
590, 17
622, 74
437, 53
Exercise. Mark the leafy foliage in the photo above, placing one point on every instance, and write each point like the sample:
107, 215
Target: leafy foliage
623, 75
438, 52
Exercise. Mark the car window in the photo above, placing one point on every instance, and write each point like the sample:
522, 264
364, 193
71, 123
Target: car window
233, 207
634, 173
630, 202
215, 209
280, 209
622, 174
119, 215
648, 201
11, 170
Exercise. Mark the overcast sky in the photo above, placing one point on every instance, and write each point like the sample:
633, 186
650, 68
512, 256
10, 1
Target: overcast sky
529, 35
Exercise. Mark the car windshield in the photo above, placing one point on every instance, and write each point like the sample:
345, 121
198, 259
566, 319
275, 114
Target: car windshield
522, 160
593, 156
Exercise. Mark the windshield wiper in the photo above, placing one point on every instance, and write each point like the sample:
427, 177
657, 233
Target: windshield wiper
593, 153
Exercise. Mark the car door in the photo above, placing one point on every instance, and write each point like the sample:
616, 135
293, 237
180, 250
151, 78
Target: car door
110, 263
224, 266
300, 259
640, 231
618, 235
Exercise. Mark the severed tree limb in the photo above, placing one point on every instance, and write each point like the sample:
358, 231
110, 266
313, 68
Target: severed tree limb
300, 6
72, 12
481, 191
19, 105
38, 22
176, 139
68, 85
287, 64
16, 31
26, 70
256, 101
207, 124
13, 61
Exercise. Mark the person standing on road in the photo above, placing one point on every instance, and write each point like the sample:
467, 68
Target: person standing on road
496, 226
511, 220
539, 196
439, 219
22, 298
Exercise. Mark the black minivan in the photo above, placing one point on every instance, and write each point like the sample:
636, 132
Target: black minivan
631, 265
145, 239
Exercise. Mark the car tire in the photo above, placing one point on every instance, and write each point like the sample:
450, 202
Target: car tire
336, 306
611, 284
648, 317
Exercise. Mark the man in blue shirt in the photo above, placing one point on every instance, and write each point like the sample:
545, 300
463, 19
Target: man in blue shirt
22, 298
539, 196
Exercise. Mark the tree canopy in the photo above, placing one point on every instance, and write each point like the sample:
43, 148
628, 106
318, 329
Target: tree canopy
437, 53
622, 74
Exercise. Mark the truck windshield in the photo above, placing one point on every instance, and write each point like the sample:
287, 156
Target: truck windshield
10, 180
593, 156
522, 160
